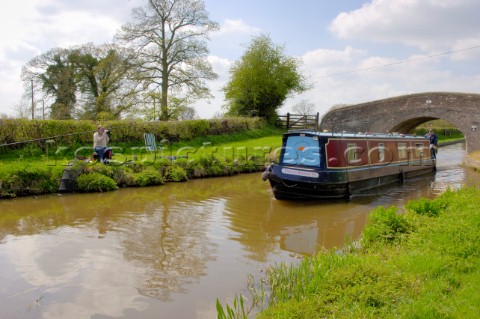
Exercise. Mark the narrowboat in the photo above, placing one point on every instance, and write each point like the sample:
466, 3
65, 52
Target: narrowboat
324, 165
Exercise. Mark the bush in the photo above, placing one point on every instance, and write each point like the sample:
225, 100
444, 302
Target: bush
26, 180
426, 207
175, 173
148, 177
95, 182
385, 226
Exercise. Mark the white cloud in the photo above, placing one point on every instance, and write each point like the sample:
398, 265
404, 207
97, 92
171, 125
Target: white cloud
237, 26
230, 41
324, 61
220, 65
429, 25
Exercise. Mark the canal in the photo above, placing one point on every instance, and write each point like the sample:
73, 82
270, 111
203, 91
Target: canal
171, 251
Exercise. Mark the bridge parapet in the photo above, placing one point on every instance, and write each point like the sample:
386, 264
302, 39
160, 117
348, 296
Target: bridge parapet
403, 113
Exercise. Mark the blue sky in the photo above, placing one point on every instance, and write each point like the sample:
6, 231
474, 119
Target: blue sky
351, 51
300, 26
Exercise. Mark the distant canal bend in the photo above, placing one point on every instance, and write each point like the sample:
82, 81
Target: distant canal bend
171, 251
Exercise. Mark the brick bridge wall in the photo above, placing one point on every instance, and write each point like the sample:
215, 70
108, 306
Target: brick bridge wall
403, 113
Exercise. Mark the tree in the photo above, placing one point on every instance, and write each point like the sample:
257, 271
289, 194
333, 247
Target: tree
304, 108
59, 80
181, 111
262, 80
169, 38
187, 113
107, 80
85, 81
338, 106
53, 79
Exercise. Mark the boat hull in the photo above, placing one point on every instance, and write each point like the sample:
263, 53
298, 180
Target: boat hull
337, 185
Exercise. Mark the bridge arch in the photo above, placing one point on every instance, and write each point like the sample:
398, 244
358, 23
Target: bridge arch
403, 113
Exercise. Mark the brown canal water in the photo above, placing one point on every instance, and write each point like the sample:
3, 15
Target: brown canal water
171, 251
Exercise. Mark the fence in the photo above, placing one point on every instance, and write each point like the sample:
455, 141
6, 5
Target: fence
298, 121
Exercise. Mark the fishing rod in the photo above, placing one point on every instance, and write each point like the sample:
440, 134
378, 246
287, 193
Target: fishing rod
45, 138
51, 137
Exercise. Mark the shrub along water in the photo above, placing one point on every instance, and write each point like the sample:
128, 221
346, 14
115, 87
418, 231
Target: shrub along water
423, 263
95, 182
25, 178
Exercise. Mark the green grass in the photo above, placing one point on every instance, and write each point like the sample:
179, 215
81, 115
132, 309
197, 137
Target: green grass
242, 148
437, 124
429, 268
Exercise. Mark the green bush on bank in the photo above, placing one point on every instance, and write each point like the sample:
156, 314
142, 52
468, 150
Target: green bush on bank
149, 177
95, 182
175, 173
385, 226
430, 270
26, 179
427, 207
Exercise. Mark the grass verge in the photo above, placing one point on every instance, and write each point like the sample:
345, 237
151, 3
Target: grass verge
423, 263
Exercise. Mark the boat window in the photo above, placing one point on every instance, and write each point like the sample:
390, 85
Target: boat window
418, 149
352, 152
302, 150
402, 150
381, 152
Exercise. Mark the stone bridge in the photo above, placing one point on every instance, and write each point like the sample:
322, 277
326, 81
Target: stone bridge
403, 113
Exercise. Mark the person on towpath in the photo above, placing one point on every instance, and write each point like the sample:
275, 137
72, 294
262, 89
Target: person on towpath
100, 140
433, 143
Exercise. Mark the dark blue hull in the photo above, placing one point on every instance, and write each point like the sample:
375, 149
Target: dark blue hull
294, 183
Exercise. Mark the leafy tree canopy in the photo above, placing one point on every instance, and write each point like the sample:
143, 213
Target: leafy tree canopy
83, 81
262, 80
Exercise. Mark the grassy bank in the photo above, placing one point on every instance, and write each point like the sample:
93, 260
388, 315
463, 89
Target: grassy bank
34, 170
423, 263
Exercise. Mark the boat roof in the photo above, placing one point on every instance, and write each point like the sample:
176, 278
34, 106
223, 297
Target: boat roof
354, 135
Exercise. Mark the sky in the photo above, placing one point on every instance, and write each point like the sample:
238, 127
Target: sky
351, 51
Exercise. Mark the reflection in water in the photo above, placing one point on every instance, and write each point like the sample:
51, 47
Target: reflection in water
300, 228
170, 251
171, 244
110, 247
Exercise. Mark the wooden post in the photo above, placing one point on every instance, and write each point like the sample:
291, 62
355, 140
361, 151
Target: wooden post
33, 104
317, 120
288, 121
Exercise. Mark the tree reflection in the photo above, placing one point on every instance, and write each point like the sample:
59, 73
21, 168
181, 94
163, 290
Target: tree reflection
172, 246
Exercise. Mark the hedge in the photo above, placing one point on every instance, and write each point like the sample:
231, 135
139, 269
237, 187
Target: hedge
15, 133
